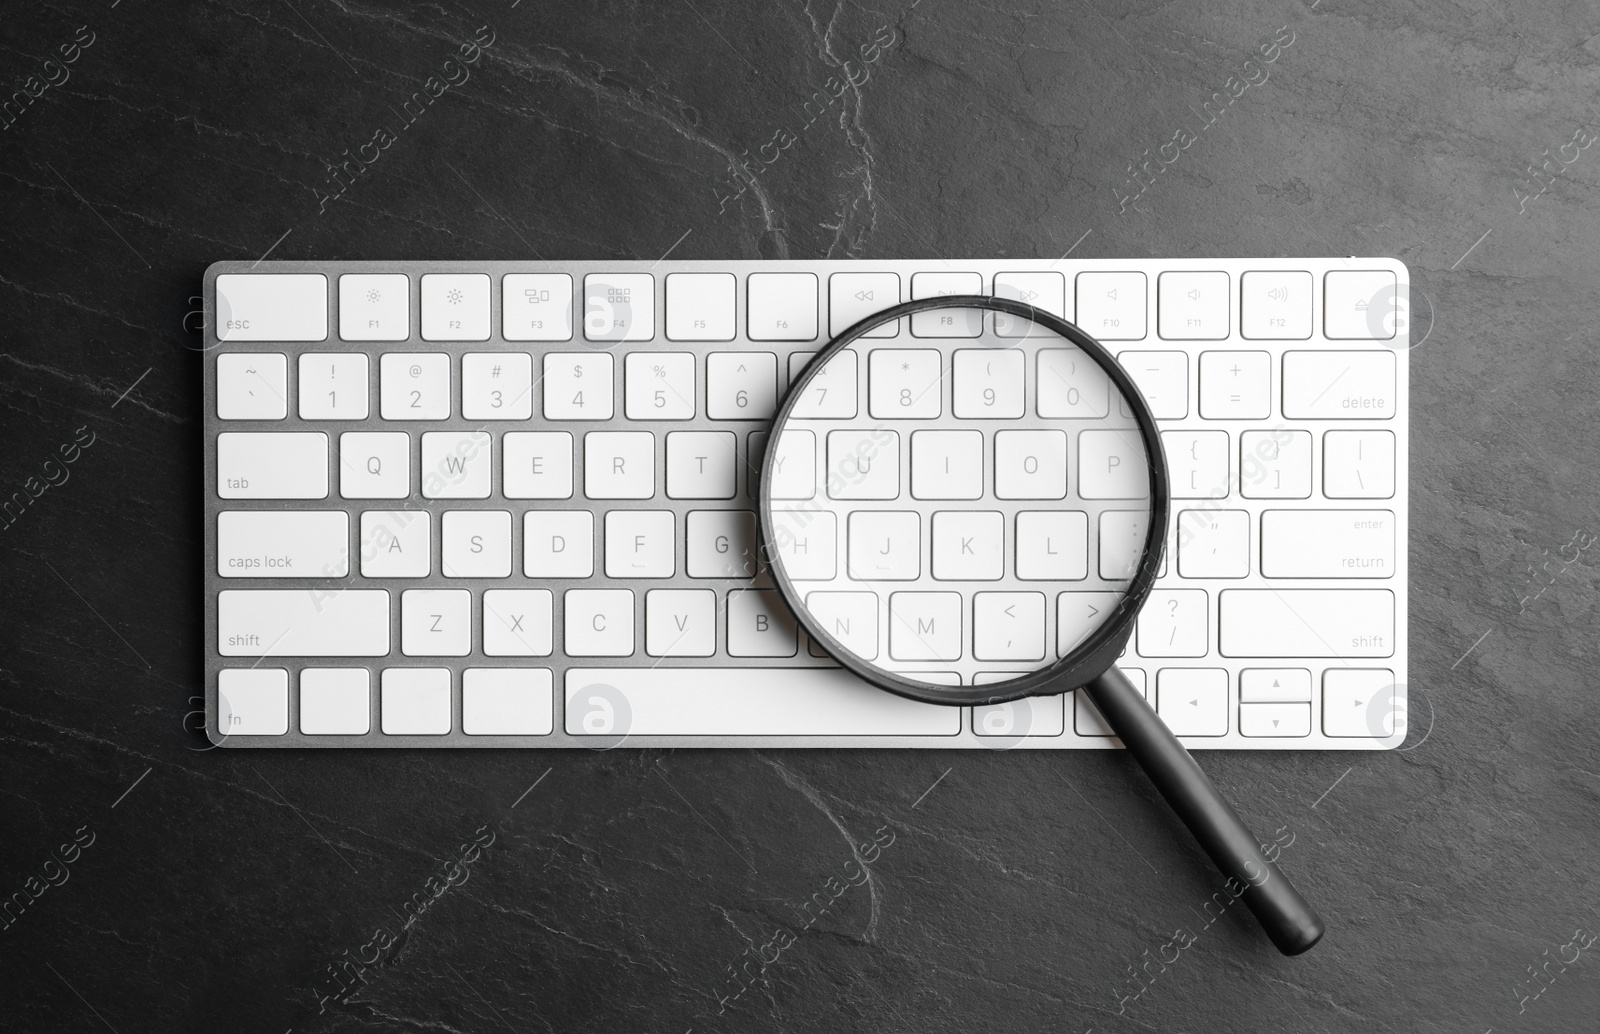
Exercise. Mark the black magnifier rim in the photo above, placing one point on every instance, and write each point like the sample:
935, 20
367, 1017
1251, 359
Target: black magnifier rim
1097, 653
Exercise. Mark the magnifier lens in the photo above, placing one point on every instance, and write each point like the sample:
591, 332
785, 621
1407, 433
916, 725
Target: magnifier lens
964, 503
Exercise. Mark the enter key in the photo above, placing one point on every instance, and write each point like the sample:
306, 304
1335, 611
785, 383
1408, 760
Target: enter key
1327, 544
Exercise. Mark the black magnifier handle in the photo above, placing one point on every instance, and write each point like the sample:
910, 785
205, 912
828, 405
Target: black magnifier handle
1288, 918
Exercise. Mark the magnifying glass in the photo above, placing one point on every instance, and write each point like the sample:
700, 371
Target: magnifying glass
976, 513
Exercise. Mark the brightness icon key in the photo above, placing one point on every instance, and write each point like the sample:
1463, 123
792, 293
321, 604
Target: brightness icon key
374, 307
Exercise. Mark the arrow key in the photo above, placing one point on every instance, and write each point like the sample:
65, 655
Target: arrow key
1275, 719
1193, 701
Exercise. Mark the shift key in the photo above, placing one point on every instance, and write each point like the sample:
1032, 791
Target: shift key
303, 622
1306, 622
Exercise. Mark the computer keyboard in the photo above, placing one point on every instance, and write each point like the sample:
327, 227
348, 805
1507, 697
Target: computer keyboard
510, 504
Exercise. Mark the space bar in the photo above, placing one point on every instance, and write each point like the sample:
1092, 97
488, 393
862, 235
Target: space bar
743, 702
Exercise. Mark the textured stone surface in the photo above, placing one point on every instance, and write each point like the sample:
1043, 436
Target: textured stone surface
622, 892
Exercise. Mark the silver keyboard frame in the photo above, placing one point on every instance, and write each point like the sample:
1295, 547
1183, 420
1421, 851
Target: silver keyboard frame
558, 662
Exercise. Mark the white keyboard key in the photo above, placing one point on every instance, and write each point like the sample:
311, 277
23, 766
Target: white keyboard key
455, 307
782, 306
1078, 614
764, 701
1275, 305
947, 464
741, 385
794, 468
863, 464
335, 701
925, 626
1175, 623
1214, 544
659, 385
1339, 385
1306, 623
1274, 720
700, 306
1047, 291
850, 617
1328, 544
1034, 716
475, 544
968, 545
884, 545
253, 386
852, 297
283, 544
536, 307
619, 306
253, 701
1275, 464
538, 465
518, 623
396, 544
497, 386
374, 465
1358, 702
641, 544
1030, 464
507, 702
760, 625
1087, 719
831, 394
1163, 380
701, 465
905, 383
1358, 464
302, 623
1052, 545
333, 386
1235, 385
414, 386
1275, 686
272, 307
577, 386
988, 383
946, 322
1198, 464
1072, 385
272, 465
455, 464
374, 307
558, 544
721, 544
619, 464
1122, 541
808, 543
1008, 626
1192, 306
415, 701
680, 622
436, 622
1111, 306
599, 622
1112, 465
1193, 701
1358, 305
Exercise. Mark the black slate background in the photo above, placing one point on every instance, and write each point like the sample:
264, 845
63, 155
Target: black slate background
619, 892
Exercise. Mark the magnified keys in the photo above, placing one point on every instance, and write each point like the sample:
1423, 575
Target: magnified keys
991, 501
